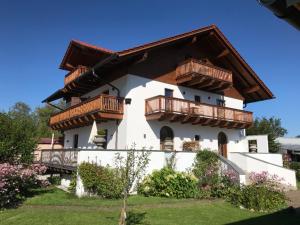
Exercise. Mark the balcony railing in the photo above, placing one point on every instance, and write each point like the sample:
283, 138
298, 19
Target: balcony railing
174, 109
75, 73
194, 73
60, 159
99, 107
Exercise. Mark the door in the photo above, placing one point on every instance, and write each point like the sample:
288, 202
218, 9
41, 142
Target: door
222, 144
168, 95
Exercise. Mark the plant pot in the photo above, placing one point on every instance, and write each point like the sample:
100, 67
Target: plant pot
100, 141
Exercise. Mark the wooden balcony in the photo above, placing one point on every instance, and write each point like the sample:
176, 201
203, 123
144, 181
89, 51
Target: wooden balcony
99, 108
196, 74
75, 73
184, 111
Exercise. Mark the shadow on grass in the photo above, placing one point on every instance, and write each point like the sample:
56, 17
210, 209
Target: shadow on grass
39, 191
288, 216
134, 218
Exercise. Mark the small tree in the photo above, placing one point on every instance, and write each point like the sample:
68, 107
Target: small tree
272, 127
132, 169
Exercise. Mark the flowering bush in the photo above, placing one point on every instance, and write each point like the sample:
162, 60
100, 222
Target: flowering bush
206, 169
263, 194
169, 183
16, 180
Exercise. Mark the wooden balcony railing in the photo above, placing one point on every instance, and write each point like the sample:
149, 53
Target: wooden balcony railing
194, 73
75, 73
99, 107
60, 159
175, 109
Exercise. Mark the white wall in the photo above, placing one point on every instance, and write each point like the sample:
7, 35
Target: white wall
251, 163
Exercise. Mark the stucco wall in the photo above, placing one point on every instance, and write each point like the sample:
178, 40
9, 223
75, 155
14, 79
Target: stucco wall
134, 129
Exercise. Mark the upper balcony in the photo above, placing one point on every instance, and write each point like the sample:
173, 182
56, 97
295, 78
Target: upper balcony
196, 74
75, 73
102, 107
184, 111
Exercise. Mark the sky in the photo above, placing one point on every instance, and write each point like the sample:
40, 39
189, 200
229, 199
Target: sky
34, 36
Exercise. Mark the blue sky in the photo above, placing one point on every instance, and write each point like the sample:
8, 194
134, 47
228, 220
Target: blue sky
35, 34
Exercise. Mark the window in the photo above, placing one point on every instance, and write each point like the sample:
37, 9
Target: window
197, 137
220, 102
75, 141
197, 99
106, 92
168, 92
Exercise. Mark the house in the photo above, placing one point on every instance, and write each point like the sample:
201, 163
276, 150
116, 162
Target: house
179, 94
47, 143
290, 148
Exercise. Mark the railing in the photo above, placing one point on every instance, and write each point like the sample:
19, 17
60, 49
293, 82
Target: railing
101, 103
75, 73
228, 168
193, 66
62, 158
180, 106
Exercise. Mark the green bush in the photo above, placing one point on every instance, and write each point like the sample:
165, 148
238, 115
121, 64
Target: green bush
73, 183
257, 197
206, 169
169, 183
103, 181
54, 180
296, 166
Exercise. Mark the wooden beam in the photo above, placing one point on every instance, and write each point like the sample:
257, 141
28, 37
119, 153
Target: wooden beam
252, 89
224, 53
198, 79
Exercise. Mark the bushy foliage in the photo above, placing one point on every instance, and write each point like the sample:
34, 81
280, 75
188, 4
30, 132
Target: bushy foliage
296, 166
16, 181
169, 183
20, 129
206, 169
264, 194
105, 182
270, 126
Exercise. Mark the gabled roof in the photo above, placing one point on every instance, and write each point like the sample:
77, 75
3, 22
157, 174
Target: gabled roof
76, 49
93, 55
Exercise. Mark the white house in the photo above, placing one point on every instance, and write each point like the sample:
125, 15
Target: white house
183, 93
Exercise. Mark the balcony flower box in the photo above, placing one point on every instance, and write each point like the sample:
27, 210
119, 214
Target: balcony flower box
190, 146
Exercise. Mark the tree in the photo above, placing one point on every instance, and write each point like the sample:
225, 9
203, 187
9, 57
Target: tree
43, 115
272, 127
17, 134
132, 168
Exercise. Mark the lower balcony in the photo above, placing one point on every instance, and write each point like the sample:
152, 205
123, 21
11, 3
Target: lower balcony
99, 108
184, 111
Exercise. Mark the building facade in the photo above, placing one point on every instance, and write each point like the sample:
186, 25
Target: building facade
183, 93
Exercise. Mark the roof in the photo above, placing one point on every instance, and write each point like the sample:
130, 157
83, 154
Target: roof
49, 141
92, 55
289, 143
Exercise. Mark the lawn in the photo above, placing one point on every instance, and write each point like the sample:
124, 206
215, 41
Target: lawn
55, 207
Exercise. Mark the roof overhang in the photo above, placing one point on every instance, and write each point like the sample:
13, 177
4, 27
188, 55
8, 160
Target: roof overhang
81, 53
251, 86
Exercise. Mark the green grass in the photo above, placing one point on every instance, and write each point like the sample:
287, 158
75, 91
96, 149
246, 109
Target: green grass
55, 207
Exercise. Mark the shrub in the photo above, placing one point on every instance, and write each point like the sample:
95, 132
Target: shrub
73, 183
16, 181
169, 183
54, 180
206, 169
103, 181
264, 194
296, 166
